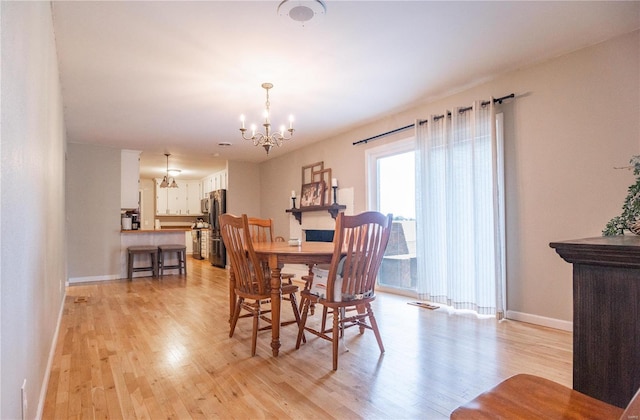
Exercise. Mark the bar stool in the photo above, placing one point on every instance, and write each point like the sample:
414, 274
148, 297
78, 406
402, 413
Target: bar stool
181, 254
132, 251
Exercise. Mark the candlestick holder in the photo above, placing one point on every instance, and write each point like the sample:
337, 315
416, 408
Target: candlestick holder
294, 202
335, 196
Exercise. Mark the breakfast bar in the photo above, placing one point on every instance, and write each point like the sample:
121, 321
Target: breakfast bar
150, 238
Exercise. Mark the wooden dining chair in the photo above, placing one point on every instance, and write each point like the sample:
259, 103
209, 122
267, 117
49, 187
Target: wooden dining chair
526, 396
359, 244
252, 289
261, 230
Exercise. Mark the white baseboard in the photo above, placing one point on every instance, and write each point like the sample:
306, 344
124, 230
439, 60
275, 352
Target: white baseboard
52, 351
540, 320
93, 278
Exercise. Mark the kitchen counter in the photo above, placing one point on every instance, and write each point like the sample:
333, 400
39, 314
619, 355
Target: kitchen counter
165, 236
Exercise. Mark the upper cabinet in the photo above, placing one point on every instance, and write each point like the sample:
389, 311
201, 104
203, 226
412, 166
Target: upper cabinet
194, 193
177, 199
216, 181
129, 179
181, 201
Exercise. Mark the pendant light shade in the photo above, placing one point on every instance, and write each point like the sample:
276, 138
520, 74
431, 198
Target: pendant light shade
167, 181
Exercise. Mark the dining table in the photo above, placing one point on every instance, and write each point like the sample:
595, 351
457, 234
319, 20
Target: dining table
276, 254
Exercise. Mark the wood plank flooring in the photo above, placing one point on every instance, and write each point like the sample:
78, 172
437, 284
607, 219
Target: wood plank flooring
160, 349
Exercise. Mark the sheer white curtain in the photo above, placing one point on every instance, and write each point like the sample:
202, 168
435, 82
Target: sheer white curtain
460, 217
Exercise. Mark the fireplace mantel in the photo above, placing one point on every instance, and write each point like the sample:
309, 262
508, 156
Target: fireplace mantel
333, 209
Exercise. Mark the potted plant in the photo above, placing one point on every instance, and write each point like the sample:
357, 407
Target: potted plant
630, 216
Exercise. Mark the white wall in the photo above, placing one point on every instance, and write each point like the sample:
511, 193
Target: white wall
575, 118
32, 215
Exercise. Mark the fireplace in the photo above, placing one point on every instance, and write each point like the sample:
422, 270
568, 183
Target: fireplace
318, 235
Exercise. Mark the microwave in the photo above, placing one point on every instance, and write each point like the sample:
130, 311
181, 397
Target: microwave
204, 206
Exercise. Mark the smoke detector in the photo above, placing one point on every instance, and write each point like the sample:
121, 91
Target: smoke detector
302, 12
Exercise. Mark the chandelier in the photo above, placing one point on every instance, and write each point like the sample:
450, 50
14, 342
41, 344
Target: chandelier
165, 181
267, 139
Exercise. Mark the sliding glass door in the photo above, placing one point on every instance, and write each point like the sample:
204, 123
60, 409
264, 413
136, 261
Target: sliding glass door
391, 189
459, 257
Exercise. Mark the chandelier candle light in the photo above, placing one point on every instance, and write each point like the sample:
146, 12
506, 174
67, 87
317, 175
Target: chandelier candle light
334, 185
267, 139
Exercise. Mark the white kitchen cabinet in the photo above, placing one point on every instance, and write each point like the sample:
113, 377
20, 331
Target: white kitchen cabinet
207, 186
215, 181
129, 179
162, 204
219, 180
194, 192
177, 199
181, 201
222, 180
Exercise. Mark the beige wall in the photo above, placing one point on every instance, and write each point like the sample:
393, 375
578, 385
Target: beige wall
93, 211
243, 188
32, 216
574, 119
148, 216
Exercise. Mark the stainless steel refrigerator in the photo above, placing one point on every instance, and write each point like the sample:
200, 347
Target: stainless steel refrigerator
217, 206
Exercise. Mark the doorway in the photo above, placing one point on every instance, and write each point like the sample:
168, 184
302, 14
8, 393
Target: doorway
391, 189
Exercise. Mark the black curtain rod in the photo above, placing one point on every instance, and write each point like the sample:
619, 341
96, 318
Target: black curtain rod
406, 127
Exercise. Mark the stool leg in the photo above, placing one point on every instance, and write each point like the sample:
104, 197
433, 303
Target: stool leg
162, 264
184, 261
154, 263
130, 266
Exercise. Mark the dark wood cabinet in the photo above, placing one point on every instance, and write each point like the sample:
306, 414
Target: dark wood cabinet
606, 315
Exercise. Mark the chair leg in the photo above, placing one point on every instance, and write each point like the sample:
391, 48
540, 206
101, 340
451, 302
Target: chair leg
374, 327
335, 337
296, 312
343, 315
236, 315
362, 312
294, 306
323, 326
254, 334
303, 320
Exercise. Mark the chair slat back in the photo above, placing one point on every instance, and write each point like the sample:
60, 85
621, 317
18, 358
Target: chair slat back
261, 230
236, 238
364, 238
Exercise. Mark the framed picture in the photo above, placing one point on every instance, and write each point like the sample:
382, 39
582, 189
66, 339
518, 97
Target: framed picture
324, 176
309, 171
312, 194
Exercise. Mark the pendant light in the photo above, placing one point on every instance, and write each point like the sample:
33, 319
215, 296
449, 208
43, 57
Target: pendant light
165, 180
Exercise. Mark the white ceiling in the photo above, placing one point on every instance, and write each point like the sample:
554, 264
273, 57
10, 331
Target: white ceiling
174, 77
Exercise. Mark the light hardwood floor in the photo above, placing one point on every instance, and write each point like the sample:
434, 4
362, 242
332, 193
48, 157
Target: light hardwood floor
160, 349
